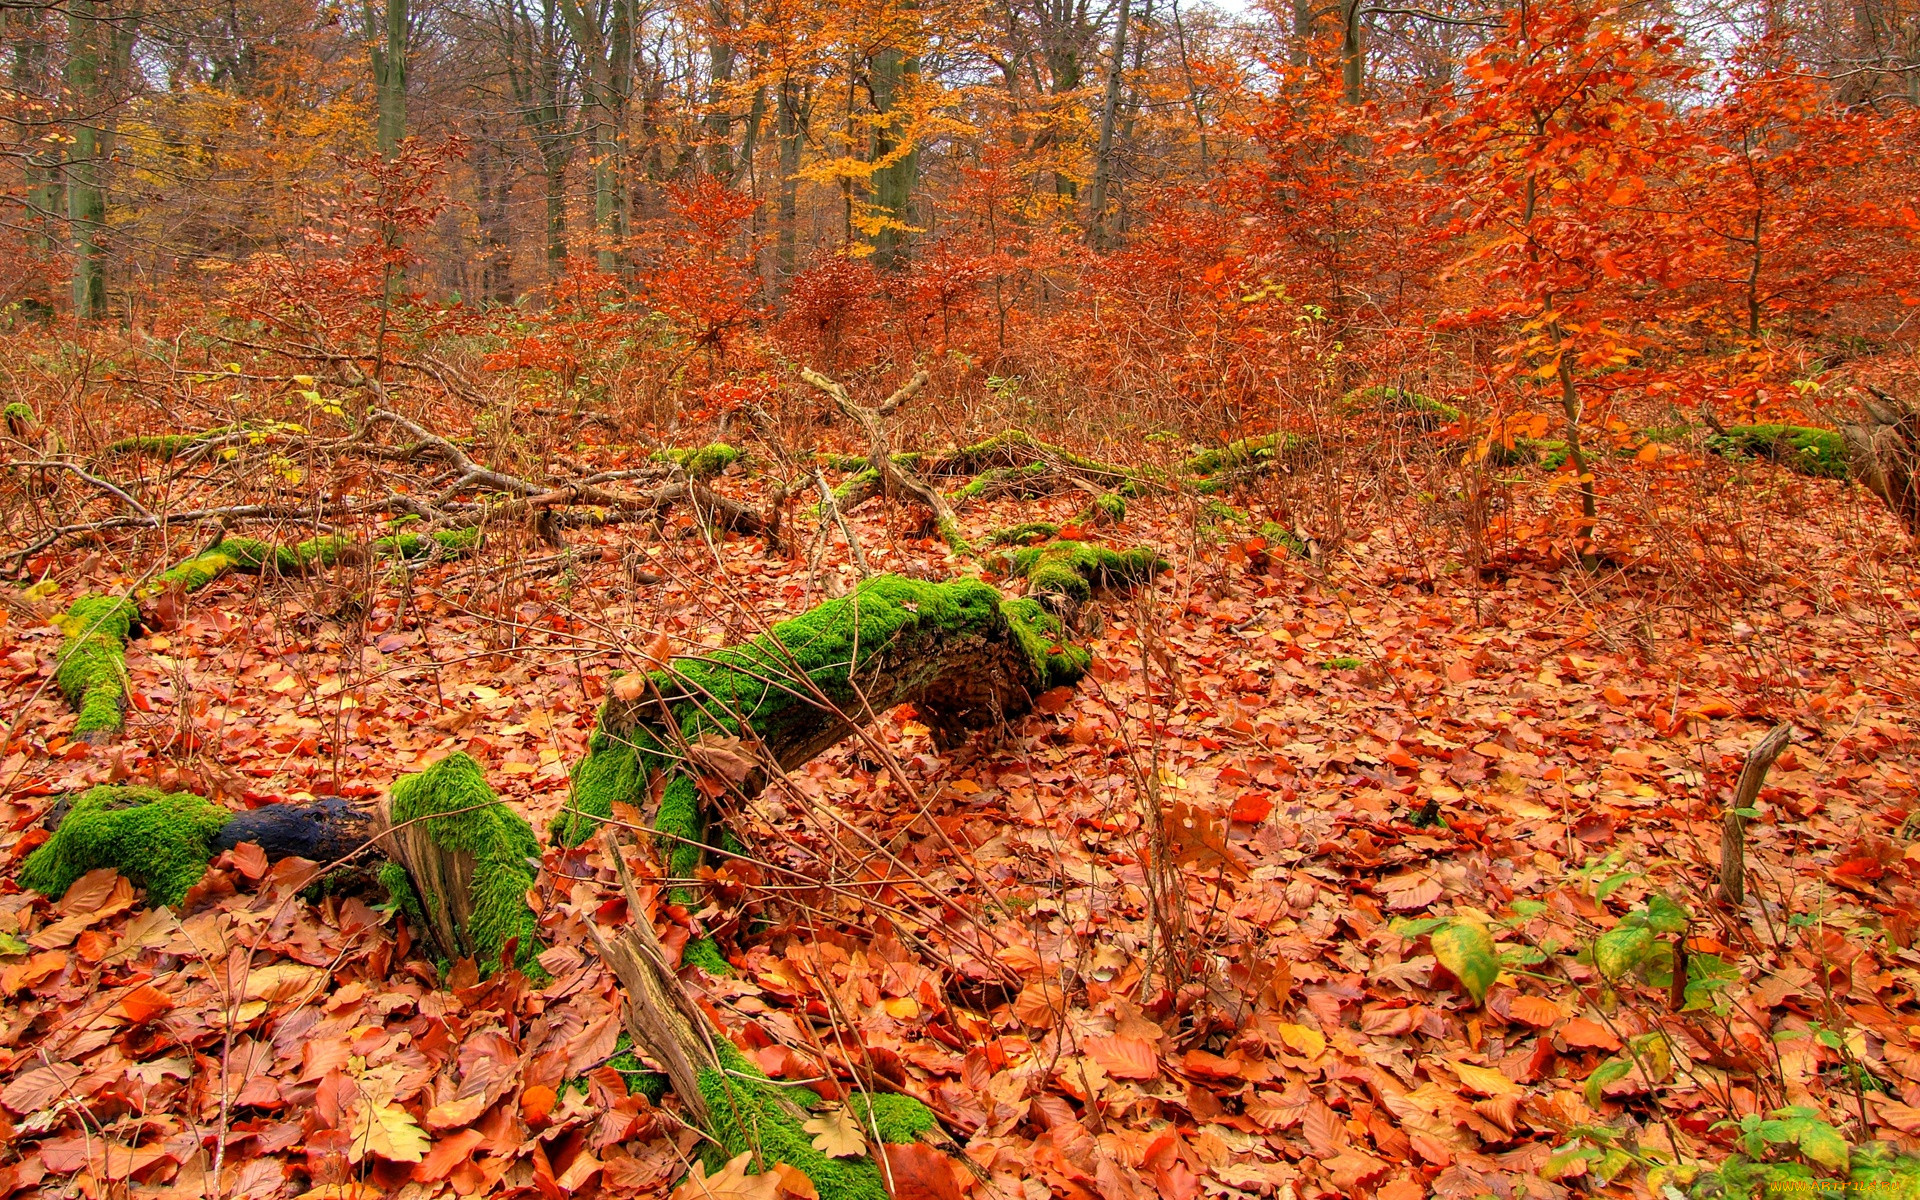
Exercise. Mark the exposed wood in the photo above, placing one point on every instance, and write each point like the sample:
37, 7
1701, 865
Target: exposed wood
1733, 826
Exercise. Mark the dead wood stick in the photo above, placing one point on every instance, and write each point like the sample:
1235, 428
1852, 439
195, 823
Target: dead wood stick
1733, 824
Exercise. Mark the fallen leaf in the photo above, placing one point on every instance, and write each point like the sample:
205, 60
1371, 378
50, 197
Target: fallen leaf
731, 1183
836, 1133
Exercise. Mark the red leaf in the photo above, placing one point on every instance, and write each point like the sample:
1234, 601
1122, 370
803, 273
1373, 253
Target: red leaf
919, 1172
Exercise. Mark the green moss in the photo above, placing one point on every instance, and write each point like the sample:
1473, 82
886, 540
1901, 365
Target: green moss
160, 840
1424, 411
1245, 454
92, 671
18, 412
1111, 505
1074, 569
700, 462
648, 1083
1277, 534
702, 953
252, 556
461, 813
1821, 453
160, 445
752, 1113
1031, 531
1045, 641
399, 887
752, 686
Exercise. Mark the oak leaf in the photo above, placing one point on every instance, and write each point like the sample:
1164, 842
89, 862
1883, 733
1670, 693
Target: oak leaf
836, 1133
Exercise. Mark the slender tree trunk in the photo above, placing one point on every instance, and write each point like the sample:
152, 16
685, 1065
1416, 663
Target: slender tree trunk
555, 165
719, 80
788, 122
389, 54
1301, 46
1353, 52
86, 193
1109, 112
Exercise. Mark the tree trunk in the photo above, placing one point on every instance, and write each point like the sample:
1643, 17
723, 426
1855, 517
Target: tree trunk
389, 53
899, 164
86, 192
1109, 112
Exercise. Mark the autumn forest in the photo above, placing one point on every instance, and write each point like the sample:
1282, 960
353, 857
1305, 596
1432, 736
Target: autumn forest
951, 600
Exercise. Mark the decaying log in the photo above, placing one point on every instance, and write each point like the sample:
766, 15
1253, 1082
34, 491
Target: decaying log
1884, 454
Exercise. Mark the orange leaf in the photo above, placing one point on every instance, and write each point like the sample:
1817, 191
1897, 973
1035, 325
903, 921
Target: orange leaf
1537, 1011
1124, 1057
920, 1172
537, 1102
1251, 807
143, 1004
1585, 1034
447, 1153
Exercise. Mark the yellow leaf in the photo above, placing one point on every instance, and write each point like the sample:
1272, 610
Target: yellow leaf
1303, 1041
385, 1130
837, 1134
1485, 1080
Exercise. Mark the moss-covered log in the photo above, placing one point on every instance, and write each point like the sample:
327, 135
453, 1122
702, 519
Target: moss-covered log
463, 863
1064, 574
92, 670
162, 841
957, 651
251, 556
1821, 453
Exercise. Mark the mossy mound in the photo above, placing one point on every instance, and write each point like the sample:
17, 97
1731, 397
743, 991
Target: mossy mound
1031, 531
1220, 467
1821, 453
701, 462
92, 673
752, 1113
1276, 534
1402, 406
161, 840
1074, 569
766, 687
19, 414
461, 814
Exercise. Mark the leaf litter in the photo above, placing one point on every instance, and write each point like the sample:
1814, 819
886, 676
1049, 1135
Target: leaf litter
1235, 917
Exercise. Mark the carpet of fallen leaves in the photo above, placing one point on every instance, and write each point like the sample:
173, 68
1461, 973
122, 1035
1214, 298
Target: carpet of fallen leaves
1170, 934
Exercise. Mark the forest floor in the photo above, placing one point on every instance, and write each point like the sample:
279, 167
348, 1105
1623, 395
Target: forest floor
1311, 778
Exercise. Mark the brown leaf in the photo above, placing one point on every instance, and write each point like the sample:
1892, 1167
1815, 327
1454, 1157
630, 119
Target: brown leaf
731, 1183
34, 1090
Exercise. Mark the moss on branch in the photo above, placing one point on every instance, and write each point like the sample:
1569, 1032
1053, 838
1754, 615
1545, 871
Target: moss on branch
701, 462
159, 840
1821, 453
92, 670
251, 556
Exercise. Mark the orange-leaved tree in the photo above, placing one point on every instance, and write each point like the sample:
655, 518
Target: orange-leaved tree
1557, 158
